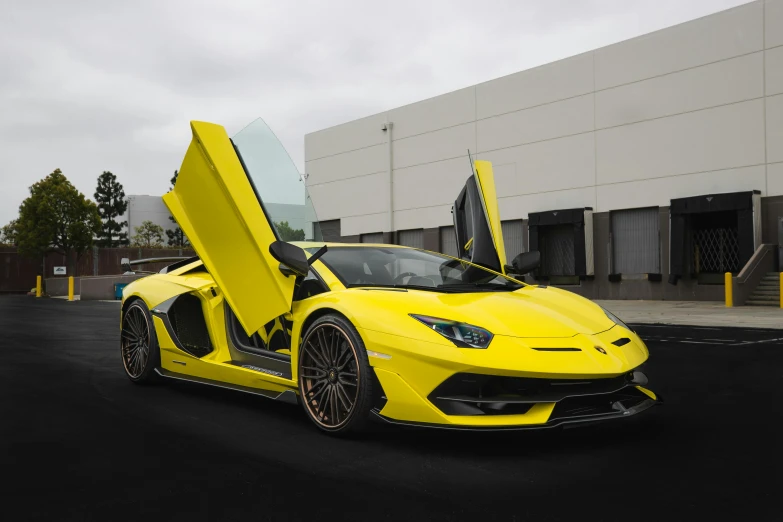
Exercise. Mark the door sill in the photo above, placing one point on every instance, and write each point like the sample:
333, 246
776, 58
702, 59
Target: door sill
288, 396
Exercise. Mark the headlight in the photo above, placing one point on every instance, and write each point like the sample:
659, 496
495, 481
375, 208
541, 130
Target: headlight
616, 319
461, 334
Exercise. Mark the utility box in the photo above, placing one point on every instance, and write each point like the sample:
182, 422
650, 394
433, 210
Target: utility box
118, 288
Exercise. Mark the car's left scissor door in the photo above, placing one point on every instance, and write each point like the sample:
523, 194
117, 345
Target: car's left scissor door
218, 208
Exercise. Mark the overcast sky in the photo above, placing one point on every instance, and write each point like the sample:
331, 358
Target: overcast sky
88, 86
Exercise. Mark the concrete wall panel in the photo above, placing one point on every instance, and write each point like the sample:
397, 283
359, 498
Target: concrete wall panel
723, 35
443, 111
659, 192
715, 84
359, 162
429, 217
774, 71
553, 120
439, 145
432, 184
549, 165
775, 179
518, 207
775, 128
353, 135
773, 18
364, 224
712, 139
505, 179
351, 197
548, 83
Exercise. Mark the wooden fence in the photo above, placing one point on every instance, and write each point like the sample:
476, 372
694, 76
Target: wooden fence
17, 273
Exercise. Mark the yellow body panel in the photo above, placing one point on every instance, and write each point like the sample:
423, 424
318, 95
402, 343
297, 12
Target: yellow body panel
215, 205
486, 182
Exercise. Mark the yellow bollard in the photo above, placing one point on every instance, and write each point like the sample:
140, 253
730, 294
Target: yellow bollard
38, 286
729, 293
70, 288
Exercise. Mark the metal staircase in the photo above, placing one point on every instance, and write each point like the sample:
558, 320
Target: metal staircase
767, 293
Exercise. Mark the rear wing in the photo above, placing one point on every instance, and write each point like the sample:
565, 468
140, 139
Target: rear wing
179, 261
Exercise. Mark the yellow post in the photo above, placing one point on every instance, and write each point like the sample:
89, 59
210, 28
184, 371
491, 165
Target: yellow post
729, 289
38, 286
70, 288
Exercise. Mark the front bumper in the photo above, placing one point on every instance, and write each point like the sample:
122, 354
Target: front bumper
552, 423
512, 388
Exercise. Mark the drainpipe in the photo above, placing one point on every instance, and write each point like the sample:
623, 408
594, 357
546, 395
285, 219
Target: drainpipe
387, 128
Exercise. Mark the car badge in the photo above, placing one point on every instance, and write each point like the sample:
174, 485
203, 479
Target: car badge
600, 350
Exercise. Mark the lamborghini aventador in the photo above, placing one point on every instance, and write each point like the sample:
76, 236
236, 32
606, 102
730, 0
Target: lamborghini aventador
356, 332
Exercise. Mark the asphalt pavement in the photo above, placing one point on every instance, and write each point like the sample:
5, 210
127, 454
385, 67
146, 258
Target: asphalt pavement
78, 441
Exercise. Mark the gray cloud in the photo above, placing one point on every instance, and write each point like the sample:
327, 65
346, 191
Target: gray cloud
88, 86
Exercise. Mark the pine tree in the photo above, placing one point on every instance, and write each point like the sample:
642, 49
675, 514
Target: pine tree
110, 197
177, 237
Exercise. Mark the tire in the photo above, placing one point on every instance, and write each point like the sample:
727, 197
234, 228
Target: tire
139, 348
334, 373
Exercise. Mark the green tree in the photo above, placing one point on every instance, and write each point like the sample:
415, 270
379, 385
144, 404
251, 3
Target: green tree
176, 237
56, 218
148, 235
8, 233
287, 233
110, 197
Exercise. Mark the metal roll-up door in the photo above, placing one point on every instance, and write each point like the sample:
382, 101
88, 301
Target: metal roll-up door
375, 237
513, 232
557, 250
411, 238
448, 241
636, 241
328, 231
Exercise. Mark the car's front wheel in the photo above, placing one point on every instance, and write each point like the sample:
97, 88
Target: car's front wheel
139, 344
335, 382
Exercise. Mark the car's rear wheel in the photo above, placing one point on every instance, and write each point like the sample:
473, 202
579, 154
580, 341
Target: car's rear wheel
335, 382
138, 343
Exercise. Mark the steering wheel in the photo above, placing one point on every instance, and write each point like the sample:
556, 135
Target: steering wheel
403, 275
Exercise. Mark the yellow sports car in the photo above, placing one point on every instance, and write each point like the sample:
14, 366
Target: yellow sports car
354, 332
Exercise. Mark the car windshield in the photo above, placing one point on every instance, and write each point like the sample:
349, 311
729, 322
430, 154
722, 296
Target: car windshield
410, 268
277, 182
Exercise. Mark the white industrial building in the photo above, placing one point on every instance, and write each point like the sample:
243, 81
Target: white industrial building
143, 208
644, 169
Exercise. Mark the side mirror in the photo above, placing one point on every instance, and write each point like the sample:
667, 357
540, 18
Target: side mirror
526, 262
292, 257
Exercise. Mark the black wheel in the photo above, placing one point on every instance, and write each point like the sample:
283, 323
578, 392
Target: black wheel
335, 383
138, 344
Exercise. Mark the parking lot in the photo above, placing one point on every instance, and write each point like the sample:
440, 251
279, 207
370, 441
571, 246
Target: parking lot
78, 441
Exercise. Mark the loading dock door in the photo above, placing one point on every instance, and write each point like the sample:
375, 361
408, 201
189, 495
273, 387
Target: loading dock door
513, 233
713, 234
635, 240
411, 238
375, 237
565, 240
557, 250
448, 241
715, 240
